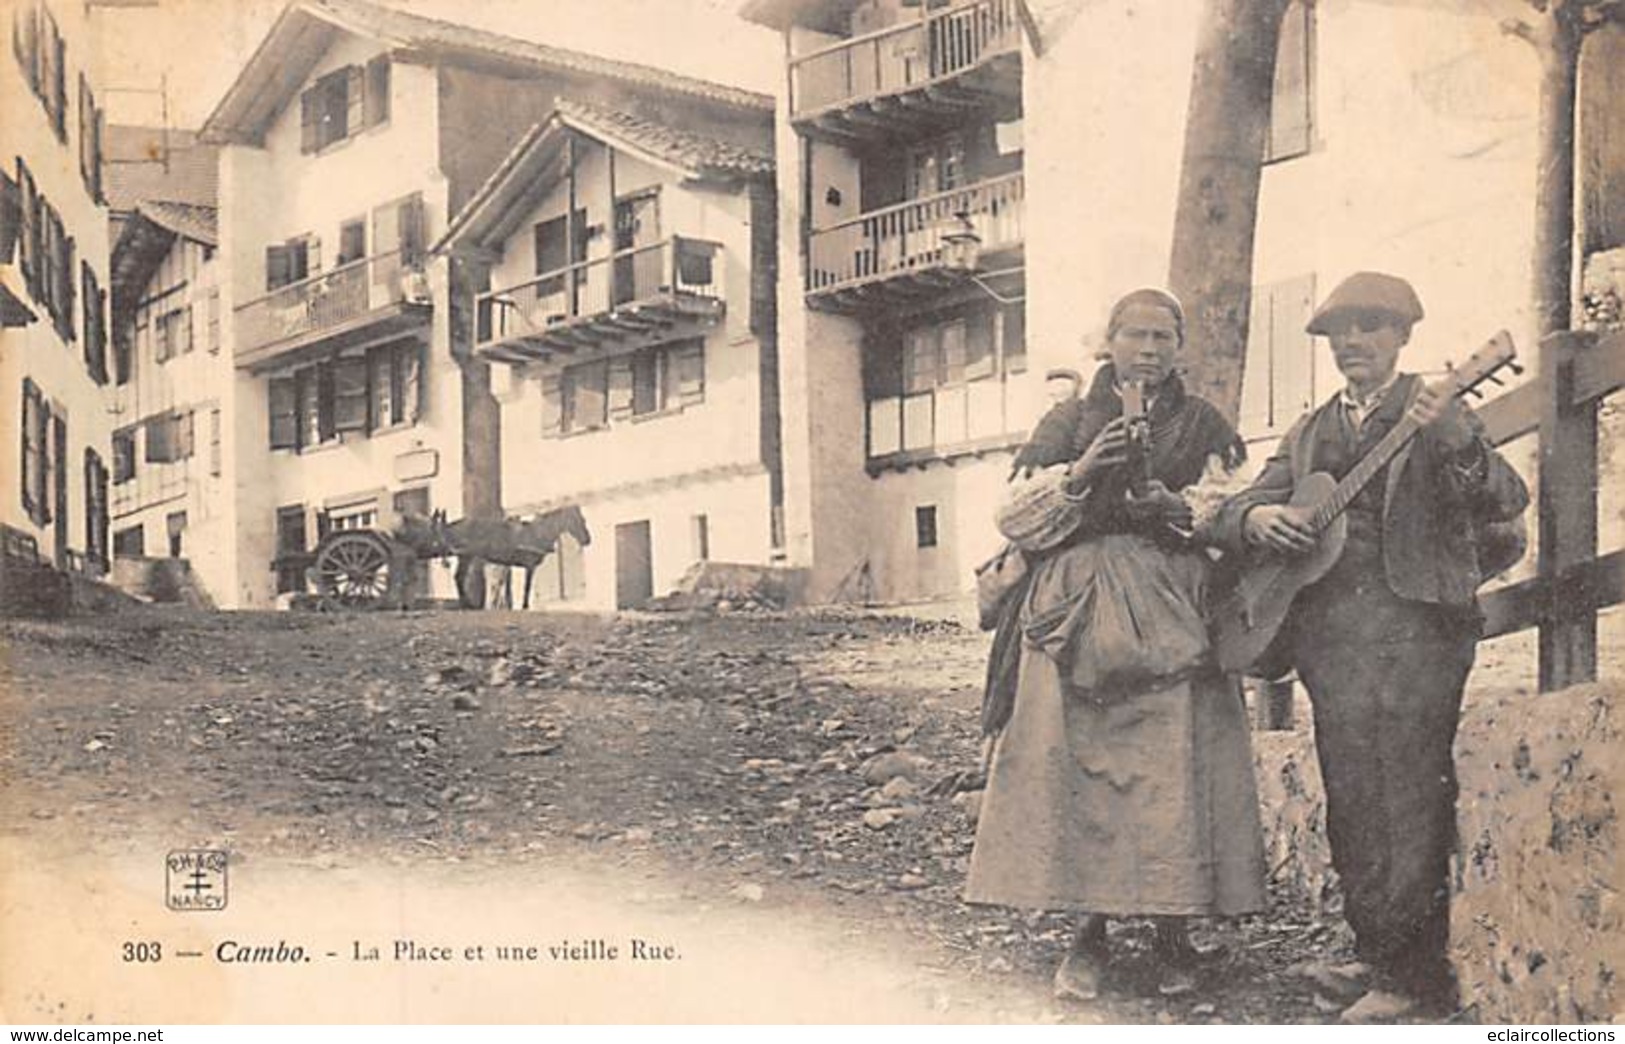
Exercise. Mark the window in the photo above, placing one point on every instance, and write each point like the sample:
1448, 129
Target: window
936, 166
943, 380
352, 241
925, 526
589, 396
95, 319
123, 456
173, 333
91, 122
130, 542
175, 526
344, 103
354, 393
42, 56
169, 437
35, 457
292, 262
47, 255
1291, 128
1278, 383
398, 229
96, 519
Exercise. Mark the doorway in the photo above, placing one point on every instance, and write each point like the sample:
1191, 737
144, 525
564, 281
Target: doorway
634, 565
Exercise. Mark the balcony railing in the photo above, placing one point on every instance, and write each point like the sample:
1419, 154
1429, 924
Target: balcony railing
916, 53
908, 236
330, 302
669, 271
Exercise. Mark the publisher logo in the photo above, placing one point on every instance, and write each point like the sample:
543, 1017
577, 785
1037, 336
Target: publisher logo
195, 880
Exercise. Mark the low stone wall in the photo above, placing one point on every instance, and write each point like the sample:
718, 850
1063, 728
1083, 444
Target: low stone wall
1538, 930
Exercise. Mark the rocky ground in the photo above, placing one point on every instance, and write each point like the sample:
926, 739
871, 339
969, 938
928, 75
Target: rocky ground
818, 766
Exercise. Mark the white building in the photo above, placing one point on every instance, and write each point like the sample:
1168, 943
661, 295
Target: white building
53, 303
630, 309
347, 142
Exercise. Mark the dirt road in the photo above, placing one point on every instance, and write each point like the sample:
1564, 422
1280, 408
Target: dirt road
776, 800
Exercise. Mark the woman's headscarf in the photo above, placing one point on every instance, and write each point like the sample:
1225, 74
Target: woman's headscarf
1147, 295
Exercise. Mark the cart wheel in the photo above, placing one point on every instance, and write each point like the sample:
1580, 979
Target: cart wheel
352, 568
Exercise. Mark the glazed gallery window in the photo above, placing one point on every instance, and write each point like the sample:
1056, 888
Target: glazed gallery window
170, 437
942, 380
344, 103
123, 456
315, 404
172, 334
645, 383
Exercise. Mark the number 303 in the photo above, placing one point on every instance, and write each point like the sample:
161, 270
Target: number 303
143, 952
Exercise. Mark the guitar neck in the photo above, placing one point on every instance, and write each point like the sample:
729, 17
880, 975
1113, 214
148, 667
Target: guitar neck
1364, 472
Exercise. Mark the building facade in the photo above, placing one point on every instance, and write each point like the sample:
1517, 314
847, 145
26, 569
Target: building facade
630, 319
905, 374
53, 298
171, 379
356, 392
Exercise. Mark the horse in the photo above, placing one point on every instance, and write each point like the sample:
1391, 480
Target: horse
508, 542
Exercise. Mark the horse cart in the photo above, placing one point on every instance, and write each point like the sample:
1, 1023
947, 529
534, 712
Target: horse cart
369, 568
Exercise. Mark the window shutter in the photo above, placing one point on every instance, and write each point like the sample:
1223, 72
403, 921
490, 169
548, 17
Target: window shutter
278, 267
386, 228
690, 360
309, 115
552, 406
99, 130
160, 440
313, 256
350, 394
324, 402
28, 234
65, 283
185, 434
30, 458
953, 352
11, 217
59, 85
1013, 338
214, 320
413, 387
186, 331
620, 387
355, 79
1289, 129
284, 409
410, 225
377, 90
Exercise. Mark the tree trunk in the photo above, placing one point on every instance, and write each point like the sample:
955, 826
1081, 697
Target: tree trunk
1211, 266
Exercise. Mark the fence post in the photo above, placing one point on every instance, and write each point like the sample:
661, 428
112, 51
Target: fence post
1568, 515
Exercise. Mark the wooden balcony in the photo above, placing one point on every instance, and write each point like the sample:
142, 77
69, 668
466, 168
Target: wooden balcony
915, 78
361, 301
894, 256
646, 295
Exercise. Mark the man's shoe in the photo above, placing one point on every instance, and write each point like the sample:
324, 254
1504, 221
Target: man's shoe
1379, 1006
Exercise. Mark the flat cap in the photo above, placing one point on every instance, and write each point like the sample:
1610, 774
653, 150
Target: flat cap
1367, 292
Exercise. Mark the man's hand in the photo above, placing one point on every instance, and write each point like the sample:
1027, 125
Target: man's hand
1280, 528
1109, 448
1161, 505
1438, 410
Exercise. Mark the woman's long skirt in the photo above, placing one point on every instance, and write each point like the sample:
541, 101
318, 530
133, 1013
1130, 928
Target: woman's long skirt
1144, 806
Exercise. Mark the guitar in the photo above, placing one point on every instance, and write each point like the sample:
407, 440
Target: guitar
1248, 619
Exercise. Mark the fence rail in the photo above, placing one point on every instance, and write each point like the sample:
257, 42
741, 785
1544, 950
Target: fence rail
1577, 371
942, 44
909, 235
328, 300
677, 265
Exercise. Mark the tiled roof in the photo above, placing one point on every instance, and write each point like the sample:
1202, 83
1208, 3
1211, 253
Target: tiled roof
193, 222
412, 30
700, 154
148, 163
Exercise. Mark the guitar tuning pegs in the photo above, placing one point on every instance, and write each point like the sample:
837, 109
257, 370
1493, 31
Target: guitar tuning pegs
1514, 366
1493, 379
1475, 393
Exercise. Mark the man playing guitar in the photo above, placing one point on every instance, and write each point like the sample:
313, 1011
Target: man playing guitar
1385, 640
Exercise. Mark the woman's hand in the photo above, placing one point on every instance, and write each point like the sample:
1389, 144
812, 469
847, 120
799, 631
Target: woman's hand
1159, 504
1109, 448
1280, 528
